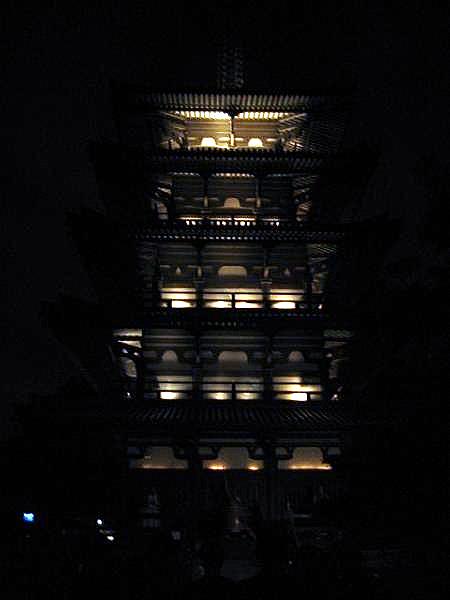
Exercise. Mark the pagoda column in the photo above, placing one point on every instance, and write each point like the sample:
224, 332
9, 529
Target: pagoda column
171, 208
258, 190
140, 377
268, 371
205, 177
198, 278
271, 479
265, 280
308, 286
195, 493
197, 369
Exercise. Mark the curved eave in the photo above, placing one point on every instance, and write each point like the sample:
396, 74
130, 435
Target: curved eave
233, 319
134, 98
227, 417
279, 234
217, 160
246, 160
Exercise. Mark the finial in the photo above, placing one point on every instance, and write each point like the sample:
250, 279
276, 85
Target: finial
230, 65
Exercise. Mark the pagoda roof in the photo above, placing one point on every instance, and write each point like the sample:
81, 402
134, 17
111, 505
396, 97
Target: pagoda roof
135, 98
282, 416
309, 233
223, 318
223, 160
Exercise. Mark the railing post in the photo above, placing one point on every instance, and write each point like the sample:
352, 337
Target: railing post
205, 191
139, 362
267, 373
197, 393
199, 294
171, 210
258, 191
308, 286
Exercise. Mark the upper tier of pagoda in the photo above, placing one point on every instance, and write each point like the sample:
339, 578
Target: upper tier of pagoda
230, 120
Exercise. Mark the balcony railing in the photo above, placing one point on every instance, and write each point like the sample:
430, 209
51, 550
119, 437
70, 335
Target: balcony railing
230, 221
293, 301
230, 391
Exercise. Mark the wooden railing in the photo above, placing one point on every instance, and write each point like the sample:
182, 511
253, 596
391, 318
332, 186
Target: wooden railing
228, 391
296, 301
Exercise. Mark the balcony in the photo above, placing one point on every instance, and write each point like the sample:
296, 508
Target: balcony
275, 300
222, 388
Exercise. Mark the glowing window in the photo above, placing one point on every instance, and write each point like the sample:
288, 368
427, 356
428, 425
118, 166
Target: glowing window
233, 356
232, 203
232, 271
226, 387
255, 143
296, 356
305, 458
169, 356
291, 388
233, 458
208, 142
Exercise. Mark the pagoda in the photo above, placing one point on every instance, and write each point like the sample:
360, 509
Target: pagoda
216, 263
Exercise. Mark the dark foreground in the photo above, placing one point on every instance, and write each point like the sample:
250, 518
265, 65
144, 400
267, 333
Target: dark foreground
274, 563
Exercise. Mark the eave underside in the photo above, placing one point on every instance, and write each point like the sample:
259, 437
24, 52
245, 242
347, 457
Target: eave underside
138, 98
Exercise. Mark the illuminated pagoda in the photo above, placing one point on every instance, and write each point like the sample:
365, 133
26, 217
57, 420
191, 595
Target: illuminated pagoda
227, 214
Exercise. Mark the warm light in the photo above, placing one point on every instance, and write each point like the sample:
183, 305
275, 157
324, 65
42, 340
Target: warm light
298, 396
262, 115
181, 304
221, 396
255, 143
323, 467
219, 304
247, 305
208, 142
222, 467
168, 395
203, 114
222, 116
283, 305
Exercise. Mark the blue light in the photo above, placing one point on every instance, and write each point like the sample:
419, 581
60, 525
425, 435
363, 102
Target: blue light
28, 517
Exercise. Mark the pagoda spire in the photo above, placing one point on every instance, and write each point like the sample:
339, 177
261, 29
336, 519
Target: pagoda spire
230, 64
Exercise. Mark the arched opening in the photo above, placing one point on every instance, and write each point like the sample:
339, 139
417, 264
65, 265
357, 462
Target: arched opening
232, 203
169, 356
305, 458
233, 458
296, 356
233, 356
232, 271
255, 143
208, 142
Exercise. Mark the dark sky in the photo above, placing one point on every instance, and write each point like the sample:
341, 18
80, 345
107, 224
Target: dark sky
59, 59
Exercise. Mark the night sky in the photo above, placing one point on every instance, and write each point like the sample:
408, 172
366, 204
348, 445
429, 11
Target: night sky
59, 59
